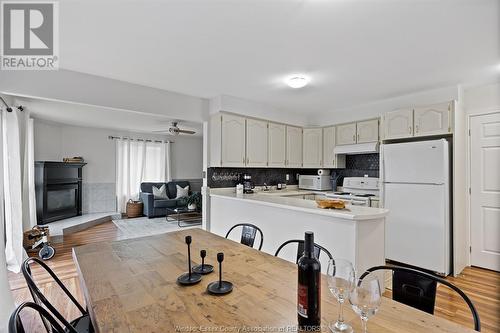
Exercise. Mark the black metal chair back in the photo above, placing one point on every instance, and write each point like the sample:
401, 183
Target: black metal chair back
16, 325
248, 234
418, 289
300, 249
40, 299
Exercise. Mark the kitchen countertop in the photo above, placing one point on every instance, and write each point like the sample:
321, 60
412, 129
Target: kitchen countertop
281, 199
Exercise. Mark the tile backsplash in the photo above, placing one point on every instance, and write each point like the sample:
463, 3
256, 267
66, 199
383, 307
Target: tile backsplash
356, 166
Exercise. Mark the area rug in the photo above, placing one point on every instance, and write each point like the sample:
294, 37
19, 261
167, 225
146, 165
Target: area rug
143, 226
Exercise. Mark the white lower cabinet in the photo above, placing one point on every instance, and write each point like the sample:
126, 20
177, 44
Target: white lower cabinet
256, 143
276, 150
293, 147
432, 120
312, 148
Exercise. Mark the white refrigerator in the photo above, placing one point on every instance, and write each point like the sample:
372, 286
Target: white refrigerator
416, 190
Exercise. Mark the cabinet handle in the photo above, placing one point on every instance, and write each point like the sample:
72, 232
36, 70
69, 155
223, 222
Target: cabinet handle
358, 137
409, 129
243, 160
354, 137
416, 128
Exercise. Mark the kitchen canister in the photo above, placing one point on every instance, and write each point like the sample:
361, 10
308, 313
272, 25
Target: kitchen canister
323, 172
239, 189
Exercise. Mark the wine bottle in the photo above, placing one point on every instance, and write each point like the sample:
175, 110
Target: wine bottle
309, 288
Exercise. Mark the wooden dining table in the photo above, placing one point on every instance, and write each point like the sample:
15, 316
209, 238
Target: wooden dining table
130, 286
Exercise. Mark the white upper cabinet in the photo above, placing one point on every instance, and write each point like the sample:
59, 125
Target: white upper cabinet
293, 147
367, 131
346, 134
312, 148
256, 143
398, 124
276, 145
328, 146
433, 119
232, 141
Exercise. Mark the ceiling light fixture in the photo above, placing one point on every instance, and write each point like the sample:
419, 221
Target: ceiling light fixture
297, 81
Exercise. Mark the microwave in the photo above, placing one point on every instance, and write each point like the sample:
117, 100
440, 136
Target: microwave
315, 182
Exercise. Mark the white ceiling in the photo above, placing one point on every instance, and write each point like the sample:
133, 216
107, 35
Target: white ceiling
100, 117
356, 51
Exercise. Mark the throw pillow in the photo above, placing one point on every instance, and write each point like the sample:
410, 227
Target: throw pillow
160, 193
182, 192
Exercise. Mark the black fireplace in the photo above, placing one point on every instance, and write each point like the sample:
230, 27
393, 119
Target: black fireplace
58, 187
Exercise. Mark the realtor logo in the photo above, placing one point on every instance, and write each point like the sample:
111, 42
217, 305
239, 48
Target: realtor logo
30, 35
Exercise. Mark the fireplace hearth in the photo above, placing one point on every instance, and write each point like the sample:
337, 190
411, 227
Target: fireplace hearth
58, 187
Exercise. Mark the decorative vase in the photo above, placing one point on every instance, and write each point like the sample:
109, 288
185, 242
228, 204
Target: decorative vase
192, 206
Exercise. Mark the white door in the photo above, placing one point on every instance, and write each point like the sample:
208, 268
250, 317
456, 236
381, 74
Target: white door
328, 146
277, 145
233, 141
433, 119
312, 148
293, 147
485, 191
398, 124
346, 134
367, 131
256, 143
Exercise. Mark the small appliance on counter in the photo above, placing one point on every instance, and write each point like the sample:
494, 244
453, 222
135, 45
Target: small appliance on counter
313, 182
247, 184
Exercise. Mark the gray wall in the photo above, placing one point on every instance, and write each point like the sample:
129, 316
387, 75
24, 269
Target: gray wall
54, 141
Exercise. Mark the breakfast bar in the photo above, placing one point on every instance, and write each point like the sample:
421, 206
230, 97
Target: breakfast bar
355, 233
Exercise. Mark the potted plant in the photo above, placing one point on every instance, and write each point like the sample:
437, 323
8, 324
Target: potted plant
194, 201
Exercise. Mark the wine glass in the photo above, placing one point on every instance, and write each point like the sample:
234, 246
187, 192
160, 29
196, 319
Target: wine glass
366, 298
341, 278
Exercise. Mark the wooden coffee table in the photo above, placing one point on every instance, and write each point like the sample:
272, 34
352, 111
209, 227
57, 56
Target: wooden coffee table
184, 216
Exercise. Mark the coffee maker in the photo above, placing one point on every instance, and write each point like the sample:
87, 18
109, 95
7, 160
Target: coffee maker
247, 183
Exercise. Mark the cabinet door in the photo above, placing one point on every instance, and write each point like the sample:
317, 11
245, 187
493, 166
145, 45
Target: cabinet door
346, 134
256, 143
233, 141
367, 131
328, 146
312, 148
398, 124
276, 145
433, 119
293, 147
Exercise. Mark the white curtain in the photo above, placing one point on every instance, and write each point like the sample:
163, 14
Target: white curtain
18, 177
137, 162
6, 300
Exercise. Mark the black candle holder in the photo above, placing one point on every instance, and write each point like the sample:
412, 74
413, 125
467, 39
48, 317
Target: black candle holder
189, 278
220, 287
203, 268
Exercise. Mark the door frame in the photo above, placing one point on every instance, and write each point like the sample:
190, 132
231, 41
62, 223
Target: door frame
470, 116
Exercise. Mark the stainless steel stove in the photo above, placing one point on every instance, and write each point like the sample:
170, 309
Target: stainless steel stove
360, 191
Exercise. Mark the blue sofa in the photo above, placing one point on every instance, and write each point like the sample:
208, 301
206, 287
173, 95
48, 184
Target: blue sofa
154, 208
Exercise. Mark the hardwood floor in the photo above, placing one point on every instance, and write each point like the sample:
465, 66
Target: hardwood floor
481, 285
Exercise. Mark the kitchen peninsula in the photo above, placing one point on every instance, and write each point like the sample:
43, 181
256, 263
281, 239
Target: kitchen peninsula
356, 233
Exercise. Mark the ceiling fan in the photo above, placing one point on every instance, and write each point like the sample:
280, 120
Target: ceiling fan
175, 130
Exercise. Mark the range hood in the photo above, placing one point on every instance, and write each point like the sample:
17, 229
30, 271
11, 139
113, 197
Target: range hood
360, 148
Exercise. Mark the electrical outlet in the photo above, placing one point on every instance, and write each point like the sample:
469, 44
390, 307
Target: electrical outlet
287, 177
297, 176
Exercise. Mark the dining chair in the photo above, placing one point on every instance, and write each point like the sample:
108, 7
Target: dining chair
417, 289
248, 233
16, 325
300, 249
81, 324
